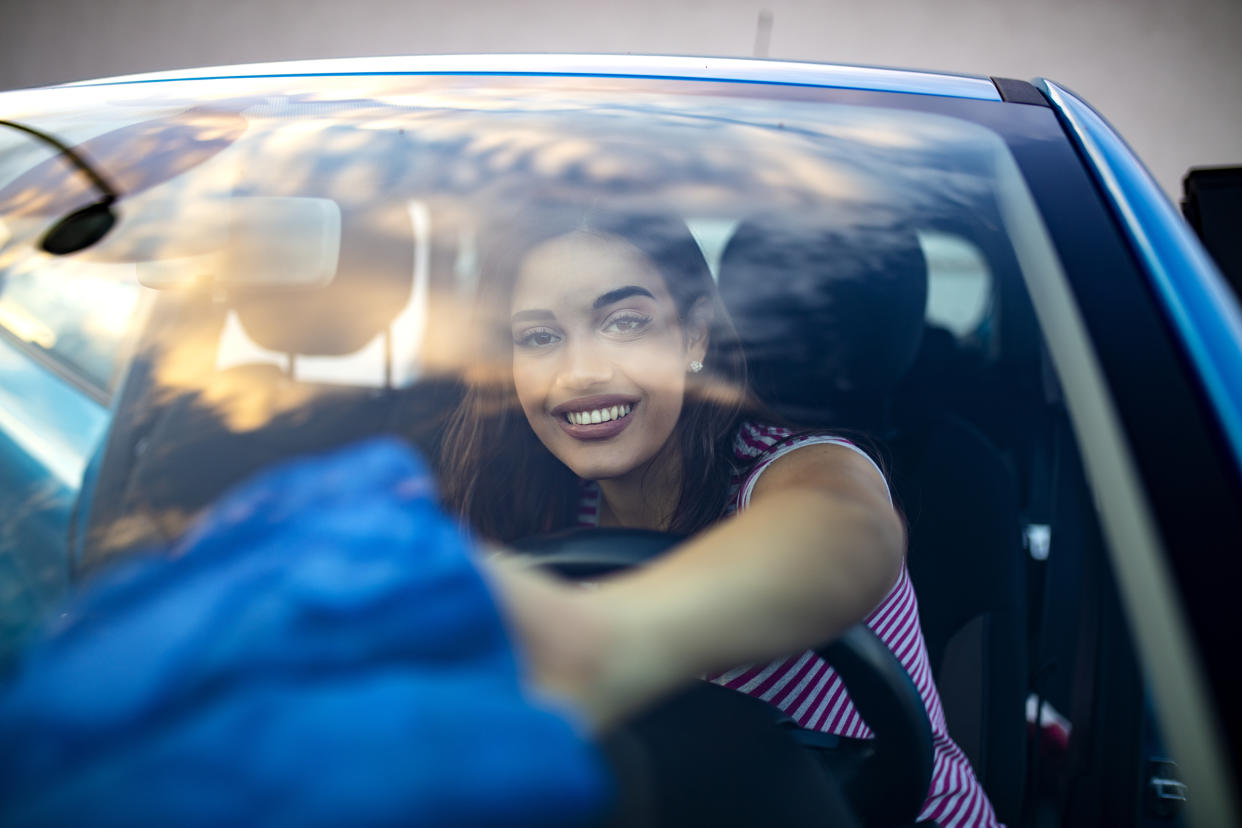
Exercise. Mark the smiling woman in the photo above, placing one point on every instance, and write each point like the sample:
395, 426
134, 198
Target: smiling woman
617, 397
577, 318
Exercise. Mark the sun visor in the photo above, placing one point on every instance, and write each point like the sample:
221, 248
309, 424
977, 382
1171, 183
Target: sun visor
265, 243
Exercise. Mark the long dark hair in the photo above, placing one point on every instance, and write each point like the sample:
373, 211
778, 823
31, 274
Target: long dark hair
496, 474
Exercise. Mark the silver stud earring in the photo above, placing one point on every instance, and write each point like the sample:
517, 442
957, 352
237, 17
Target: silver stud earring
695, 367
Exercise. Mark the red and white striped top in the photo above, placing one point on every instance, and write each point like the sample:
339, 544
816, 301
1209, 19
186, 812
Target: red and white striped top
806, 688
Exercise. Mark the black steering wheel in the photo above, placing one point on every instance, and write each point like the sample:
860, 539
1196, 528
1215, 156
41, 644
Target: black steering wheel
884, 779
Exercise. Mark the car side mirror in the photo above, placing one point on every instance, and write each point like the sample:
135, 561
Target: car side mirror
1212, 203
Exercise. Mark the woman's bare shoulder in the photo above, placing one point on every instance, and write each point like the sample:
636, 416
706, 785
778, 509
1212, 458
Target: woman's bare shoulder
832, 465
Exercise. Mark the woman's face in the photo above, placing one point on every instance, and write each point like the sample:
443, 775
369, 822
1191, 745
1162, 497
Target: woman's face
599, 356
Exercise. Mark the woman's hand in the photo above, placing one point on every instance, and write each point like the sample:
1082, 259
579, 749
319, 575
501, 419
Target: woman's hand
581, 650
565, 635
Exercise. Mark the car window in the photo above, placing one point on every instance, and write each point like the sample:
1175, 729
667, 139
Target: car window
77, 315
712, 235
958, 282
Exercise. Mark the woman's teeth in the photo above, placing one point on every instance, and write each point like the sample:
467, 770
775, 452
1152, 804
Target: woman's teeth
597, 415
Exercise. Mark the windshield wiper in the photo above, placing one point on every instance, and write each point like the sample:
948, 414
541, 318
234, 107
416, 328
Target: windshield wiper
86, 225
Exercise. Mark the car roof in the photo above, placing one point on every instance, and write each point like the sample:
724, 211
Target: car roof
744, 70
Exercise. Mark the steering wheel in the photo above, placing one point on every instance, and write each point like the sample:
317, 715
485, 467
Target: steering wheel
884, 779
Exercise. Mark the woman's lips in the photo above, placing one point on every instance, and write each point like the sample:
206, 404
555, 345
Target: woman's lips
577, 416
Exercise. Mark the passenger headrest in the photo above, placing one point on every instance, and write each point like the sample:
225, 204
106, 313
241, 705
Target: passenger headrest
372, 283
829, 315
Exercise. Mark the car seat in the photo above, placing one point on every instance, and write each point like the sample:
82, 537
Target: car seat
830, 316
185, 429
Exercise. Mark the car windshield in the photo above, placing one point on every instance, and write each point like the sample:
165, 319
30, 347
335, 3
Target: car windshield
475, 264
292, 270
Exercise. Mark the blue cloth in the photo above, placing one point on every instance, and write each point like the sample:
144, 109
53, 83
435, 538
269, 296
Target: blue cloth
319, 650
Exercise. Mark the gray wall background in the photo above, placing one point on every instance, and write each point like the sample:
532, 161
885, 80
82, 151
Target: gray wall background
1166, 73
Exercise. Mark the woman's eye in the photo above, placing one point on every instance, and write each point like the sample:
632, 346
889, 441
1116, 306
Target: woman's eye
626, 323
537, 338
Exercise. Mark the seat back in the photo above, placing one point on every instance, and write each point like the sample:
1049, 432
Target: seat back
188, 425
830, 318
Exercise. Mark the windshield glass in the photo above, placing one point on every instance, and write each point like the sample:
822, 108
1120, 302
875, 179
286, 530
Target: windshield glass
292, 270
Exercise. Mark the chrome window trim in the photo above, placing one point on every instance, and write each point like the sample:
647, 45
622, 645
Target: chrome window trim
745, 70
1204, 313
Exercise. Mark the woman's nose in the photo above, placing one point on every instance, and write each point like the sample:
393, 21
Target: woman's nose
584, 367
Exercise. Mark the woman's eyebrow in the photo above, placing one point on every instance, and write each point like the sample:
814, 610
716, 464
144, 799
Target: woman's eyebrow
536, 315
619, 294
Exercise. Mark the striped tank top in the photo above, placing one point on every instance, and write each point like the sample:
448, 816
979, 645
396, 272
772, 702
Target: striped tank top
805, 687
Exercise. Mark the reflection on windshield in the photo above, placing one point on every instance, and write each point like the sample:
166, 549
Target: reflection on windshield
314, 258
133, 158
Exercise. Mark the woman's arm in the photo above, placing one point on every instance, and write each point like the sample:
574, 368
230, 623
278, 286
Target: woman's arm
819, 546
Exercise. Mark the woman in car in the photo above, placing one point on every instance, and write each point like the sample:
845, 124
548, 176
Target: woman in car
614, 394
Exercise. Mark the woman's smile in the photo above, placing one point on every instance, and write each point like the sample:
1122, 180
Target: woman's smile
595, 418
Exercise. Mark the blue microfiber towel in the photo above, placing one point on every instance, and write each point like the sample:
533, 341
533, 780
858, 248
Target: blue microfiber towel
318, 650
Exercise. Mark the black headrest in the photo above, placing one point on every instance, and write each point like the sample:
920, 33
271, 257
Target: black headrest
372, 284
829, 316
